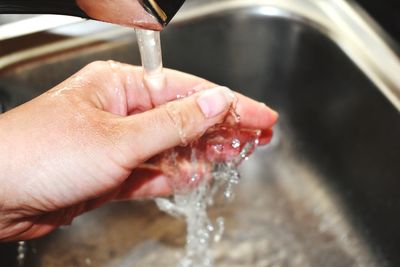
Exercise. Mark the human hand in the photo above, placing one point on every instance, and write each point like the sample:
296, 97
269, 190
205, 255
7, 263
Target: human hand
80, 144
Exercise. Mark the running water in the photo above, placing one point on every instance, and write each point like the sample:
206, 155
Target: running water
151, 56
21, 253
200, 171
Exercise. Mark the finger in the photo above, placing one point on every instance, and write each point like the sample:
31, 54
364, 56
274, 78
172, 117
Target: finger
255, 115
144, 183
118, 88
266, 137
167, 86
181, 121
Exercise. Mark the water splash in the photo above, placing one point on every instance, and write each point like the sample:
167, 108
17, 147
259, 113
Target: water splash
198, 174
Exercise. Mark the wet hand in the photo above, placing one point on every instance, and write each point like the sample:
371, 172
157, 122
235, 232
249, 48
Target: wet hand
81, 144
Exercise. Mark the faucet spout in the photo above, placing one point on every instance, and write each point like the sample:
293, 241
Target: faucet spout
145, 14
163, 10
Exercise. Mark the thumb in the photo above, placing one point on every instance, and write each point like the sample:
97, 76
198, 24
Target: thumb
178, 122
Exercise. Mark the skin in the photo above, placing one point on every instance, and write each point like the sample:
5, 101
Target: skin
122, 12
83, 143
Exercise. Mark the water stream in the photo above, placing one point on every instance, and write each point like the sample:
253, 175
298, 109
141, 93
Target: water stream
200, 171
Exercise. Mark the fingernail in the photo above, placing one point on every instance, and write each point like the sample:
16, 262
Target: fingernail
214, 101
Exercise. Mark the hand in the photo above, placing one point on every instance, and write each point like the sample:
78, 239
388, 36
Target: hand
79, 145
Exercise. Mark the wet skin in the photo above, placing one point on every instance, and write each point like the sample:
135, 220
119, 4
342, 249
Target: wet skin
84, 142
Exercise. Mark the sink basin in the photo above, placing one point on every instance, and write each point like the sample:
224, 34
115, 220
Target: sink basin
325, 192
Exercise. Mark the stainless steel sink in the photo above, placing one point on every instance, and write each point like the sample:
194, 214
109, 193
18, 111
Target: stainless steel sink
326, 192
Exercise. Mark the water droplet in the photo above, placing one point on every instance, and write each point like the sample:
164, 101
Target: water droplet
88, 261
219, 148
229, 194
219, 229
191, 92
194, 178
236, 143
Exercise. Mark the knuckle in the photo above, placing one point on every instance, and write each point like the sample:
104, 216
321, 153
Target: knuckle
95, 64
98, 65
183, 119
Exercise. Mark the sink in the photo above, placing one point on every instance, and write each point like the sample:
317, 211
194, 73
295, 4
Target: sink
325, 192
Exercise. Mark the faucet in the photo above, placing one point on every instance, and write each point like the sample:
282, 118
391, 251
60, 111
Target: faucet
145, 14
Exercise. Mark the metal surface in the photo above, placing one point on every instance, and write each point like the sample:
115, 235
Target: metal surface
34, 24
325, 192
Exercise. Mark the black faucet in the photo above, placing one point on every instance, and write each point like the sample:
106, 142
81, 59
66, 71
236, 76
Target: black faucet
148, 14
